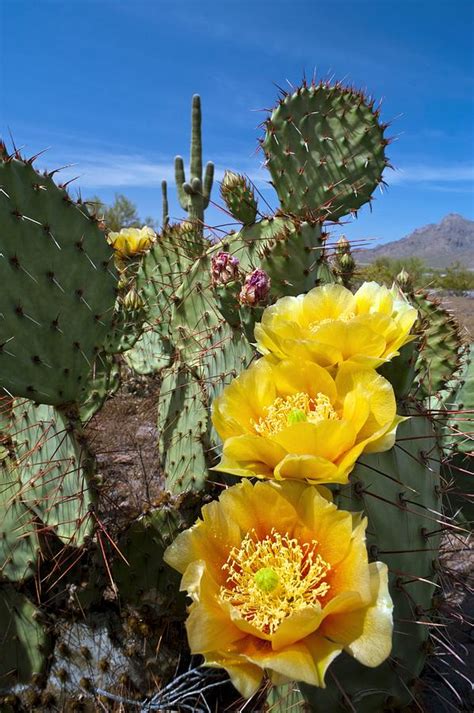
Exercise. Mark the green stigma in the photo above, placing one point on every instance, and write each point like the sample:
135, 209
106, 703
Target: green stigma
266, 579
296, 416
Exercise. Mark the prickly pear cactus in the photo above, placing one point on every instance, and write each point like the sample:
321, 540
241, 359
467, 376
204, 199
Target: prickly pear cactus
443, 348
183, 442
23, 641
140, 582
55, 471
19, 545
325, 149
58, 286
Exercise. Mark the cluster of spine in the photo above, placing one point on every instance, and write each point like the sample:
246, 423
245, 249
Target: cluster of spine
186, 311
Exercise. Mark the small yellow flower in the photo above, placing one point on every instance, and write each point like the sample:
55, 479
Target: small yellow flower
280, 583
293, 420
131, 242
330, 325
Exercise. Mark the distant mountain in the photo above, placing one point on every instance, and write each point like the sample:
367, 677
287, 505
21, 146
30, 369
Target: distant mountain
439, 245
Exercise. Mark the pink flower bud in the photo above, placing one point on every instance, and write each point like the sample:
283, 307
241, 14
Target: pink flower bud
224, 269
256, 288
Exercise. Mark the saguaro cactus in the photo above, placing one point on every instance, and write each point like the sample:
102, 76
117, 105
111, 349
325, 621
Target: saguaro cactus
194, 194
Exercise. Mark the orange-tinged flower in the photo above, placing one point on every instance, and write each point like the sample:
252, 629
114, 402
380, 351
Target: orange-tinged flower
280, 583
293, 420
330, 325
130, 242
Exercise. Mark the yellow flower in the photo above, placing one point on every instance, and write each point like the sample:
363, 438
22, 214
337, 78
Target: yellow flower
330, 325
131, 241
280, 583
293, 420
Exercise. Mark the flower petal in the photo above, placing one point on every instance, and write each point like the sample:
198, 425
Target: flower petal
366, 633
351, 338
327, 302
297, 627
243, 401
321, 520
323, 653
326, 439
296, 661
372, 297
313, 469
292, 377
250, 455
246, 677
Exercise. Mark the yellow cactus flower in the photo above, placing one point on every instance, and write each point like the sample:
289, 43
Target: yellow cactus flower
280, 583
293, 420
130, 242
330, 325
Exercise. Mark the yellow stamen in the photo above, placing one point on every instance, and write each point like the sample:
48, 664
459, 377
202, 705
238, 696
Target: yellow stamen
269, 579
285, 412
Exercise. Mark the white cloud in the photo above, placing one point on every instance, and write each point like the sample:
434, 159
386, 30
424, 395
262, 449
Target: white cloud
115, 170
424, 173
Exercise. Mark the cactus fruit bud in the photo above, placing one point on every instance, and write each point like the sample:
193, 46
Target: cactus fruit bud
405, 281
224, 269
342, 246
256, 288
132, 300
344, 262
238, 195
347, 263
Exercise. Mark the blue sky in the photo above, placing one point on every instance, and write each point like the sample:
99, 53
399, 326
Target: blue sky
107, 85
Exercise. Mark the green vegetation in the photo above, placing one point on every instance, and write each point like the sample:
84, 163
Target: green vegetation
123, 213
385, 270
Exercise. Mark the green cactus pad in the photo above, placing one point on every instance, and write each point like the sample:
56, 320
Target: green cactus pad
143, 578
126, 329
103, 382
54, 469
464, 420
150, 354
163, 270
23, 641
285, 698
443, 347
182, 427
58, 286
19, 544
399, 492
457, 430
325, 149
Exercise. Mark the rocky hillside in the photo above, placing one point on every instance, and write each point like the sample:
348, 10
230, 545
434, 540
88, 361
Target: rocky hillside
439, 245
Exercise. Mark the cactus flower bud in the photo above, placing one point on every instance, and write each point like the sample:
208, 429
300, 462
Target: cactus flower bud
132, 300
224, 269
404, 280
347, 263
256, 288
343, 246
